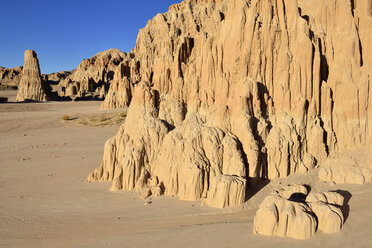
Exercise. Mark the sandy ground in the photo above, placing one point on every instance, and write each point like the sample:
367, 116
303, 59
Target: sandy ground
45, 202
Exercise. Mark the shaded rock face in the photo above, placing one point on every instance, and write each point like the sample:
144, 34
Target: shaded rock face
295, 213
272, 75
93, 76
55, 78
32, 86
10, 76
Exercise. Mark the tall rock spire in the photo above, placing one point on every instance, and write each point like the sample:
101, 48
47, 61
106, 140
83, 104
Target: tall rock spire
31, 87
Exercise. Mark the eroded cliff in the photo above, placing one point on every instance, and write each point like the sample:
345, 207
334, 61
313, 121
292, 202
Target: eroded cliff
243, 90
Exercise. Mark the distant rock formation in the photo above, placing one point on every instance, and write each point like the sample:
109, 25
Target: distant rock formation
93, 76
120, 92
285, 82
295, 213
55, 78
31, 86
10, 77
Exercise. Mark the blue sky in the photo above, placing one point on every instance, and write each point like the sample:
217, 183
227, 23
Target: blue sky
64, 32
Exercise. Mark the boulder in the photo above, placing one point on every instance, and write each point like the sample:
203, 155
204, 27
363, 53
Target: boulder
295, 213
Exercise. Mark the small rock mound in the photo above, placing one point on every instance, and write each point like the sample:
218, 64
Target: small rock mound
295, 213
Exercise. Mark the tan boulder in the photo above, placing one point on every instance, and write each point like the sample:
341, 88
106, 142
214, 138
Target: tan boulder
31, 86
295, 213
281, 217
326, 206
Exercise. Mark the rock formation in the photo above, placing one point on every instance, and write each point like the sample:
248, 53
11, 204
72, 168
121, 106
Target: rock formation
271, 78
120, 92
93, 76
343, 169
193, 161
10, 77
31, 86
55, 78
292, 212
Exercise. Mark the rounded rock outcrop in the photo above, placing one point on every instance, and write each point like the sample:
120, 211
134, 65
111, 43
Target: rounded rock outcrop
293, 212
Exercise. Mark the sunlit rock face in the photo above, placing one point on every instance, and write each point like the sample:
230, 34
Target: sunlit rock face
10, 77
295, 213
93, 76
285, 83
32, 86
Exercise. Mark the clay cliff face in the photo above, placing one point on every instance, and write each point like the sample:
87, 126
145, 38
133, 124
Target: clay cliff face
93, 76
10, 76
284, 82
31, 86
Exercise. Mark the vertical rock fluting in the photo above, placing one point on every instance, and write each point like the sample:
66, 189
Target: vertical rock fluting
31, 86
271, 75
193, 161
120, 92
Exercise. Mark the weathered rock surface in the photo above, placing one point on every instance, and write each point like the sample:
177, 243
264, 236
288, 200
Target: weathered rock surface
193, 161
32, 86
93, 76
343, 169
271, 76
55, 78
120, 92
10, 76
292, 212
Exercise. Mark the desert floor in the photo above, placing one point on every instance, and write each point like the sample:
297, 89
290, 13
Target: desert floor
45, 201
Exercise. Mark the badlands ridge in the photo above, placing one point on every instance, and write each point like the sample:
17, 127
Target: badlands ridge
224, 94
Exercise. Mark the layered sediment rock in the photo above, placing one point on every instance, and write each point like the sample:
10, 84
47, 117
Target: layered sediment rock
93, 76
32, 86
295, 213
271, 75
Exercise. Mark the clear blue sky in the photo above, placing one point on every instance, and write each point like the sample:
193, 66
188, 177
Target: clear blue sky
64, 32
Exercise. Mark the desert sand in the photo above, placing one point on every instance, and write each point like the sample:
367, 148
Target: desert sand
46, 202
